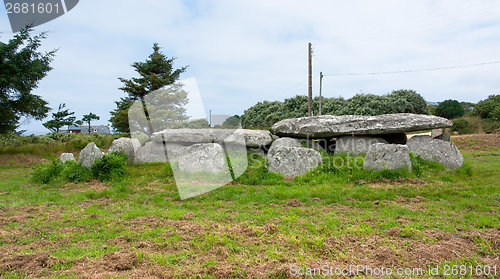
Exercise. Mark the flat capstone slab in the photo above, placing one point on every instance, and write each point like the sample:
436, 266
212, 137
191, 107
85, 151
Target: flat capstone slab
252, 138
327, 126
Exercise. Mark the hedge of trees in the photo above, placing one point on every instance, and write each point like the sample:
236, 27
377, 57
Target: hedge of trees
264, 114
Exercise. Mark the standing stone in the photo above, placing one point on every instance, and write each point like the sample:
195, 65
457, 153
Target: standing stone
89, 154
206, 157
255, 138
436, 132
67, 157
387, 156
174, 150
357, 144
293, 161
436, 150
288, 142
126, 145
328, 126
318, 145
150, 152
444, 136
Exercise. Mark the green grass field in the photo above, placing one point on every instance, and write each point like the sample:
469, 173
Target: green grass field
260, 226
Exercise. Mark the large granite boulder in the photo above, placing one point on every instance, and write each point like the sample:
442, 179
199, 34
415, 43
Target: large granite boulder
67, 157
150, 152
126, 145
253, 138
443, 136
205, 157
319, 145
292, 161
436, 150
357, 144
327, 126
89, 154
288, 142
436, 132
387, 156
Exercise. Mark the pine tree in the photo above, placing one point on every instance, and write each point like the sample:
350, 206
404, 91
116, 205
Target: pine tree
60, 118
87, 118
155, 73
21, 68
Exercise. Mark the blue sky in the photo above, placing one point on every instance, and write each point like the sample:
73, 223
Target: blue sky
243, 52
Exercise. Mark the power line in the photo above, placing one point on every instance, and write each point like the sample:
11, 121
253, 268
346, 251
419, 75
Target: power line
419, 70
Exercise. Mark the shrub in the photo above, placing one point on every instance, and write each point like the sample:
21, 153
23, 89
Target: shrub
490, 126
110, 166
450, 109
75, 172
47, 172
486, 108
461, 126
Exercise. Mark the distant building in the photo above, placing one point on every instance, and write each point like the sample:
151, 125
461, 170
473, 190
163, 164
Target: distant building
84, 129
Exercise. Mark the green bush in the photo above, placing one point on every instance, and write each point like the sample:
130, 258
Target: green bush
110, 166
75, 172
490, 126
450, 109
461, 126
488, 108
264, 114
47, 172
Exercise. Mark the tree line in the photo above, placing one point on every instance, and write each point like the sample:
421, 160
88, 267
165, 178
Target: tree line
264, 114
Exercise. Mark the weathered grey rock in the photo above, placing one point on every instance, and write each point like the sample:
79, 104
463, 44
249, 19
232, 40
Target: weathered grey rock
174, 150
444, 136
253, 138
292, 161
184, 136
89, 154
387, 156
398, 138
357, 144
436, 150
126, 145
314, 144
274, 137
326, 126
67, 157
150, 152
207, 157
288, 142
436, 132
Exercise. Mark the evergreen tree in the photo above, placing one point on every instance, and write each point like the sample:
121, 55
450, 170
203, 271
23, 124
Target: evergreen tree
155, 73
21, 68
119, 116
87, 118
60, 118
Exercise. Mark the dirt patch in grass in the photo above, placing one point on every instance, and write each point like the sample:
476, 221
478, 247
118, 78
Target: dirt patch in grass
477, 143
21, 159
385, 183
295, 203
395, 247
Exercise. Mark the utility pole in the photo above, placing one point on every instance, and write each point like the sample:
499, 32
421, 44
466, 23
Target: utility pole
310, 80
210, 119
320, 85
